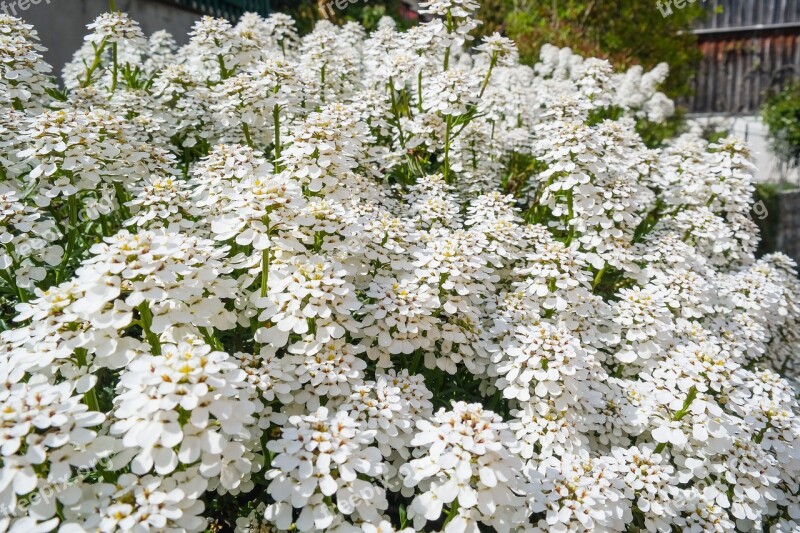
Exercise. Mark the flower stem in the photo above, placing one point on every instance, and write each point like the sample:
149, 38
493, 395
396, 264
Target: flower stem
760, 436
419, 91
147, 322
415, 362
276, 120
264, 271
492, 64
72, 237
684, 410
453, 512
449, 26
90, 396
114, 68
98, 52
570, 214
247, 138
447, 133
599, 276
211, 339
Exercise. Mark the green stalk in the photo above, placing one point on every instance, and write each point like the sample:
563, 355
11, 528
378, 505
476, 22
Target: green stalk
419, 91
72, 235
276, 120
264, 271
570, 214
90, 396
413, 164
122, 199
90, 399
115, 66
495, 401
211, 339
449, 26
322, 83
492, 64
8, 277
453, 512
247, 138
396, 114
446, 169
599, 276
680, 414
760, 436
98, 52
224, 73
415, 362
147, 322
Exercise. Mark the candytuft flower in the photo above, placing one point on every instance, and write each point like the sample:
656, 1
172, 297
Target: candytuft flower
379, 282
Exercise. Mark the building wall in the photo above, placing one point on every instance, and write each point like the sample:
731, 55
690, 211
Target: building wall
62, 23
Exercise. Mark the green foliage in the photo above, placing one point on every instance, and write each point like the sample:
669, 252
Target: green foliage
626, 32
655, 134
781, 114
714, 131
305, 12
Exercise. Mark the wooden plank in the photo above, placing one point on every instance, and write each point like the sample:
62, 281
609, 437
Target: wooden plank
737, 13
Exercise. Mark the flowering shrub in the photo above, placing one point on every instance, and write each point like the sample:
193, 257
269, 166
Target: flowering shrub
383, 282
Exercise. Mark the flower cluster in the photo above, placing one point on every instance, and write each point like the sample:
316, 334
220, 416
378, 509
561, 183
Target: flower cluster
379, 282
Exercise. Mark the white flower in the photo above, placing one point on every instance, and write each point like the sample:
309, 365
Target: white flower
46, 435
545, 361
185, 405
321, 455
644, 323
456, 8
148, 503
451, 93
113, 28
23, 73
369, 282
470, 462
307, 290
403, 316
500, 49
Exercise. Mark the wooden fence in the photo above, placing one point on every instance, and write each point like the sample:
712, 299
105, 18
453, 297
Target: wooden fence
229, 9
749, 47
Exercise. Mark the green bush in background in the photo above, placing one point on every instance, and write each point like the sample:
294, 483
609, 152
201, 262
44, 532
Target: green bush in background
626, 32
781, 114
